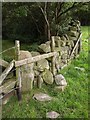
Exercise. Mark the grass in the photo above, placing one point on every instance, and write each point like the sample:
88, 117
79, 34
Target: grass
9, 55
72, 103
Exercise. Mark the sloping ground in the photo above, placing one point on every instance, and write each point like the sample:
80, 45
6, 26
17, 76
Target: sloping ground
72, 103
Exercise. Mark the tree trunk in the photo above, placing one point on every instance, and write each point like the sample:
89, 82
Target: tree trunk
49, 33
47, 25
58, 7
45, 30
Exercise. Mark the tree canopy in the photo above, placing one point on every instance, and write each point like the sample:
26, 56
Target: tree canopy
37, 21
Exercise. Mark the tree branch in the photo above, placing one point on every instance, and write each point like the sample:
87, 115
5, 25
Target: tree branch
67, 10
75, 5
60, 7
44, 13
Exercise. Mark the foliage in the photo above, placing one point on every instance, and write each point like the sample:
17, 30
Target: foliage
72, 103
30, 22
84, 18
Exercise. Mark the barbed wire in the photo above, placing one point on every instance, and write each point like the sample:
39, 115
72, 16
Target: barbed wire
7, 50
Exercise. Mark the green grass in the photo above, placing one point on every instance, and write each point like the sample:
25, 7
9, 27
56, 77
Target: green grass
72, 103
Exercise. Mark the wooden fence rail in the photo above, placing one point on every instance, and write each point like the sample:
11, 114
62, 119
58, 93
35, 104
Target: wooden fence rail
34, 59
6, 71
7, 86
3, 63
79, 37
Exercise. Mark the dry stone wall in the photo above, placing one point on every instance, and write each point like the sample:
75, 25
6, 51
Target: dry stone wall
40, 71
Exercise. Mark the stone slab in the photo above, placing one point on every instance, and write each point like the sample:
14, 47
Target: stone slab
52, 114
60, 80
42, 97
47, 77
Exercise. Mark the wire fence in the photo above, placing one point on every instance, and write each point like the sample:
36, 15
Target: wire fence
7, 50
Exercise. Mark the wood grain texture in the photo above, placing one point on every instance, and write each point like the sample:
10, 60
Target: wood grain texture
3, 63
6, 71
76, 44
34, 59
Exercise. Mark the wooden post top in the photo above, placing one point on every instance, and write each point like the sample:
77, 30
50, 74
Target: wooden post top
17, 49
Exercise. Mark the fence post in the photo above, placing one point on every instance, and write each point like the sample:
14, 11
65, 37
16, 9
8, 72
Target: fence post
39, 81
80, 44
53, 58
18, 74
